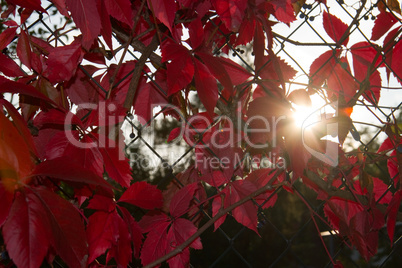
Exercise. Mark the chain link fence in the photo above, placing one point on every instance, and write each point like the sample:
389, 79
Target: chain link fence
289, 234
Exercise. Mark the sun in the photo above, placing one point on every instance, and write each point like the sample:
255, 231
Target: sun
305, 116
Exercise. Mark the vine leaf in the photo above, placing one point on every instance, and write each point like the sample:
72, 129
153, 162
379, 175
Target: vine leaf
63, 62
181, 200
87, 19
164, 10
231, 12
392, 212
383, 22
284, 11
29, 4
115, 162
143, 195
27, 231
335, 28
245, 214
156, 243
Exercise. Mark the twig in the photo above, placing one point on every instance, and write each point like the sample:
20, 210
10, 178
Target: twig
221, 213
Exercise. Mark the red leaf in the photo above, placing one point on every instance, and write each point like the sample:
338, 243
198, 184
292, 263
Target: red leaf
245, 214
106, 30
68, 231
108, 231
174, 134
179, 232
153, 219
15, 159
29, 4
81, 89
83, 152
237, 73
27, 231
217, 69
147, 98
61, 6
386, 145
389, 43
100, 231
341, 82
258, 47
276, 69
156, 244
246, 32
392, 212
322, 67
180, 70
116, 163
395, 66
8, 67
134, 230
21, 125
57, 117
7, 36
196, 33
206, 87
24, 49
102, 203
373, 93
6, 200
87, 19
120, 10
63, 62
63, 169
231, 12
181, 200
335, 28
121, 250
383, 22
283, 10
144, 195
164, 10
364, 55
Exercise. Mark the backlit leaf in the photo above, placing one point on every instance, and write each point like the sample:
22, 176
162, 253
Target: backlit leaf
383, 22
335, 28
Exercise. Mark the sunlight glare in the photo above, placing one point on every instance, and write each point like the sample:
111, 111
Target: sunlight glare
305, 116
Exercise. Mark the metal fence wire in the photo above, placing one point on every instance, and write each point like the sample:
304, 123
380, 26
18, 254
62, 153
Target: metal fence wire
288, 233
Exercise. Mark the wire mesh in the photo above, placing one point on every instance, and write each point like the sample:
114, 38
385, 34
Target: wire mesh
288, 231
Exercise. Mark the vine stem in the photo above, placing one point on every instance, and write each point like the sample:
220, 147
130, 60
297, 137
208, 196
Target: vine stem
220, 213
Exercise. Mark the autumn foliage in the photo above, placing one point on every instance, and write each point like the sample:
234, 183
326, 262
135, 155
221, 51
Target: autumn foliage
66, 188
